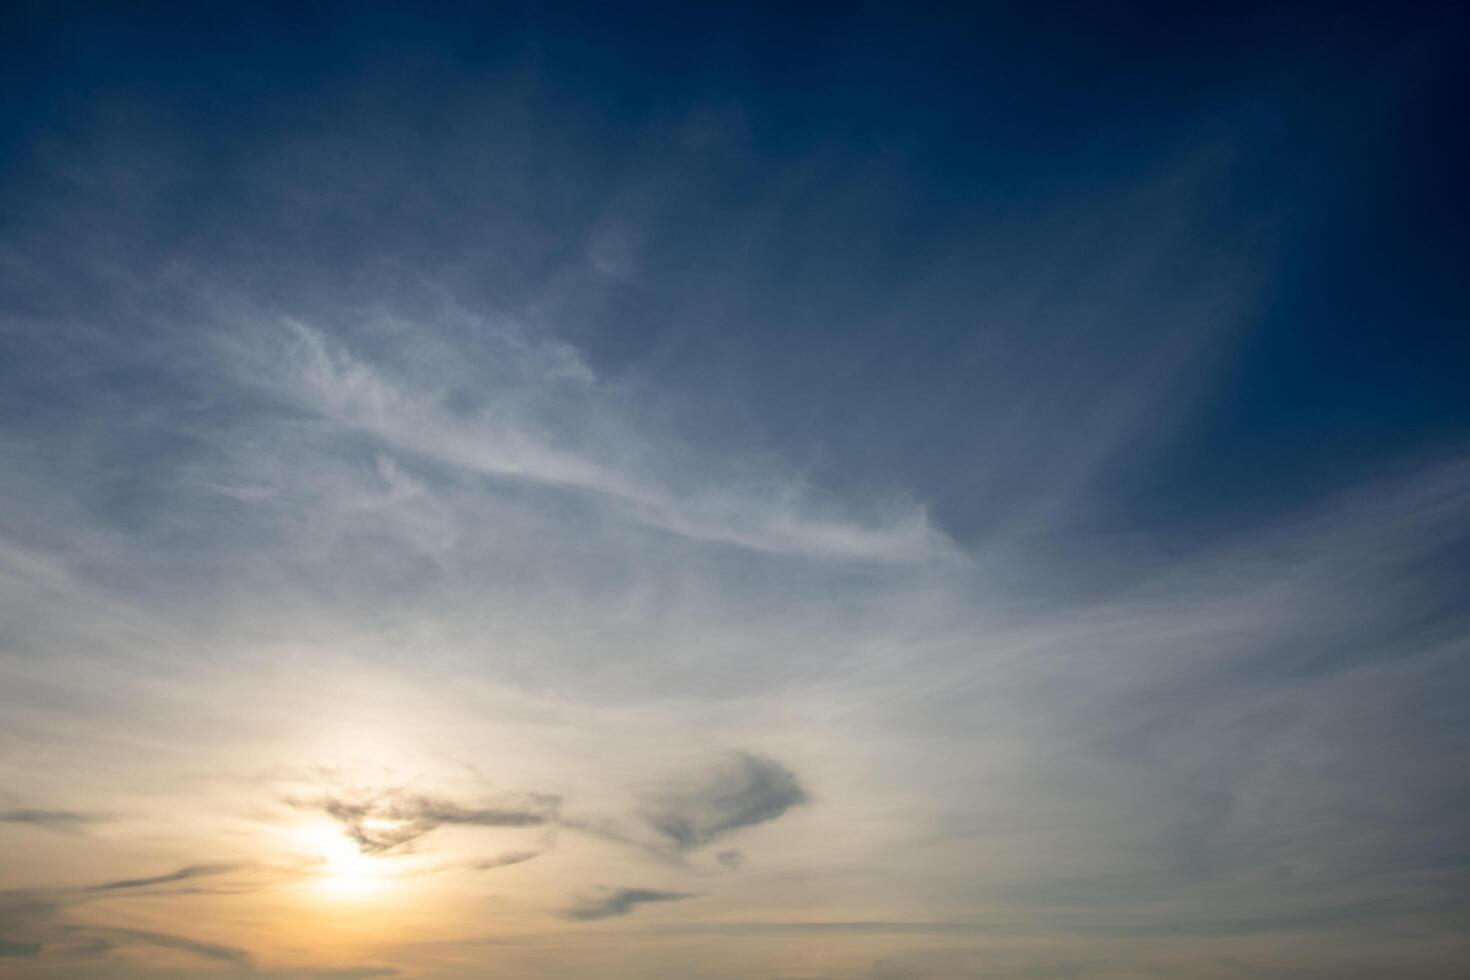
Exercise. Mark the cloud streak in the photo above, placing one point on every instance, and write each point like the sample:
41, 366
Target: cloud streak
183, 874
503, 860
504, 443
217, 952
51, 819
743, 791
18, 950
619, 902
38, 923
392, 821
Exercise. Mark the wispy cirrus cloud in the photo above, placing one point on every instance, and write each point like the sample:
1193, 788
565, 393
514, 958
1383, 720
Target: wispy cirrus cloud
509, 440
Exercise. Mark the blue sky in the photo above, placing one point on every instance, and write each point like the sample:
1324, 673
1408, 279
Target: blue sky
868, 491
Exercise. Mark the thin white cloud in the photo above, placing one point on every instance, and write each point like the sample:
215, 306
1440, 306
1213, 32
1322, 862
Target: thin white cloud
505, 441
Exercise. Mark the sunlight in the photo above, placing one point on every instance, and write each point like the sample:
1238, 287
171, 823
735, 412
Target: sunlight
345, 871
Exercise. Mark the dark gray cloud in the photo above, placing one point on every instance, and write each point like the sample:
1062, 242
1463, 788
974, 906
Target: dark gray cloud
183, 874
52, 819
732, 859
620, 901
390, 821
36, 919
9, 948
745, 790
49, 934
165, 940
503, 860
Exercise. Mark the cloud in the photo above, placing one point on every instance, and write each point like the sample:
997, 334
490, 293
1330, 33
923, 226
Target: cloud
620, 901
165, 940
503, 860
52, 819
8, 948
515, 442
743, 791
42, 915
183, 874
39, 923
389, 821
856, 928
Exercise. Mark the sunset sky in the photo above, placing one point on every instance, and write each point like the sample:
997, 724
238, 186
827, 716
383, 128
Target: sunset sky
727, 492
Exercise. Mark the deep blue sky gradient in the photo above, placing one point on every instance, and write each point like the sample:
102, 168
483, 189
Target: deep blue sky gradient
1347, 183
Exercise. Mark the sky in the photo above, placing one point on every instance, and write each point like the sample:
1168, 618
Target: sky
803, 492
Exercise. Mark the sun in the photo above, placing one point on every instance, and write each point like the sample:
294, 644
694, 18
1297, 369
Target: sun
345, 872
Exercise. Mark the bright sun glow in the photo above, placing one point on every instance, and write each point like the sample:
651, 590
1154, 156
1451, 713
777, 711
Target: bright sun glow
345, 871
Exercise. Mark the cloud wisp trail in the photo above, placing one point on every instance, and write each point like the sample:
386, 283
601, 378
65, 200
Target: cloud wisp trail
618, 902
394, 820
